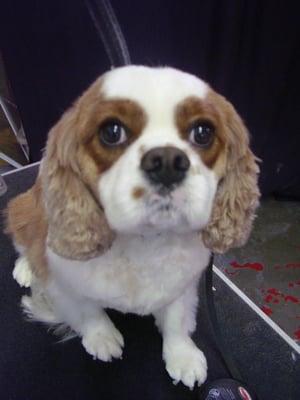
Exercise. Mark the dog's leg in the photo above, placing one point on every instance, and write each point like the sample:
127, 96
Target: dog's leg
184, 361
100, 337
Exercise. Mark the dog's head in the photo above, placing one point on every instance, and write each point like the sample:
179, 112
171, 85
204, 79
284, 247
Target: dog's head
143, 151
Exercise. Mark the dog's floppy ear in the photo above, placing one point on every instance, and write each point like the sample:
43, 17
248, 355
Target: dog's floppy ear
237, 194
77, 227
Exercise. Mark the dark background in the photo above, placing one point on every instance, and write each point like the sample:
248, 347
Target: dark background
246, 49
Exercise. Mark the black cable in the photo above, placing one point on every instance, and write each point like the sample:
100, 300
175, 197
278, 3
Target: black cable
109, 30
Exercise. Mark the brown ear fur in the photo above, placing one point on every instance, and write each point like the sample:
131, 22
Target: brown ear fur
77, 228
26, 223
237, 194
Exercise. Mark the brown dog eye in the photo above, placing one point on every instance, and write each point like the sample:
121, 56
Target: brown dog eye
202, 134
112, 133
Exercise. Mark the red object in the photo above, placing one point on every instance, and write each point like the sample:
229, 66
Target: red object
292, 284
292, 265
292, 299
289, 265
297, 334
245, 395
274, 291
267, 310
268, 298
254, 266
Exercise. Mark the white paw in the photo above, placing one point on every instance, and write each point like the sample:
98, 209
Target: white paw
22, 272
104, 343
185, 362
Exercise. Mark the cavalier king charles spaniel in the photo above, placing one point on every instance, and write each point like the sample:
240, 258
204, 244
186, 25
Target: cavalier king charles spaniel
148, 172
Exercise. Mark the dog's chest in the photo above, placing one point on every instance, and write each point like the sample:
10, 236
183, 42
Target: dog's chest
138, 274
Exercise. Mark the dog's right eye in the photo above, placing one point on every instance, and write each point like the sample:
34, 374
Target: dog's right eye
112, 133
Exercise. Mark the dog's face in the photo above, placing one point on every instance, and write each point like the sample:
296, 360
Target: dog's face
165, 178
147, 150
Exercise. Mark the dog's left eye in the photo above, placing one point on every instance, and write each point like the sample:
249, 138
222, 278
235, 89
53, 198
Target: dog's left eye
112, 133
202, 133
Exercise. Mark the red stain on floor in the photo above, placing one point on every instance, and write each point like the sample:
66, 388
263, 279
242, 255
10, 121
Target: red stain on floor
274, 291
297, 334
289, 265
269, 298
254, 266
274, 296
267, 310
292, 265
293, 284
292, 299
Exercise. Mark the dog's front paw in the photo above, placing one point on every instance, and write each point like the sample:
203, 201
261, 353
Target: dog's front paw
22, 272
185, 362
103, 343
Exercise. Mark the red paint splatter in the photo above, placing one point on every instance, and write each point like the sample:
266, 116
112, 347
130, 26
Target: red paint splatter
274, 297
292, 299
292, 265
268, 298
289, 265
254, 266
267, 310
297, 334
293, 284
231, 272
274, 291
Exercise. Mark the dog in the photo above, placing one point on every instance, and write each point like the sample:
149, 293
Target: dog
142, 178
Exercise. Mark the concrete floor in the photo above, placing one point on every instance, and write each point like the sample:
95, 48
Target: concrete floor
267, 269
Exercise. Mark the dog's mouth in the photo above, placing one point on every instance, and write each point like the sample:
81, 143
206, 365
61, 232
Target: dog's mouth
166, 198
166, 191
165, 208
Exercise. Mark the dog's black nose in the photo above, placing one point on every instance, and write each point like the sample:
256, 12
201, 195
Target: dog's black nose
165, 165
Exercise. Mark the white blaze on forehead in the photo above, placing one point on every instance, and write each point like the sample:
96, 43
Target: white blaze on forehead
157, 90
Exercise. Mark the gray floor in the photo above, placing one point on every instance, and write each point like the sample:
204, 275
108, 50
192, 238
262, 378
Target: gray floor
267, 269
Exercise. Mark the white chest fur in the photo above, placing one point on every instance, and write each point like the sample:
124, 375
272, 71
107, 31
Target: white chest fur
138, 274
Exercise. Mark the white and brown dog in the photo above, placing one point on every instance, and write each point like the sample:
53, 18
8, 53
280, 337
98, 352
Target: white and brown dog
142, 177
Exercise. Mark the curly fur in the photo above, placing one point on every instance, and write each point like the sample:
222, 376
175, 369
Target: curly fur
237, 196
26, 222
77, 227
